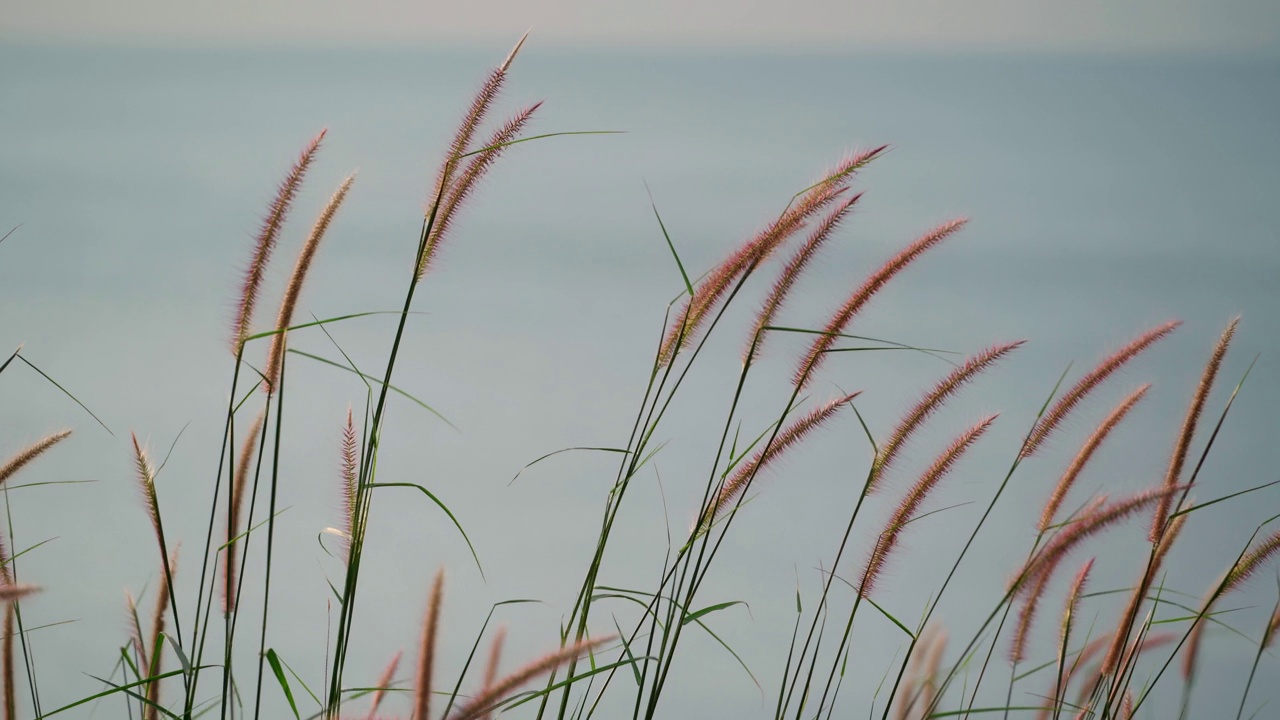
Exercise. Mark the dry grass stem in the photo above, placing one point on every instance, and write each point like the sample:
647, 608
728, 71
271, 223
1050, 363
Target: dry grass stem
936, 397
384, 682
27, 454
239, 485
265, 243
296, 279
485, 702
910, 505
427, 650
1086, 452
1182, 445
791, 273
785, 440
841, 319
1087, 384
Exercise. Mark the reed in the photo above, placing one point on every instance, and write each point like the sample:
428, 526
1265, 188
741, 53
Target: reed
589, 674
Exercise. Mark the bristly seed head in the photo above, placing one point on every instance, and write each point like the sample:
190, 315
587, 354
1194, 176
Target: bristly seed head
266, 242
1053, 418
860, 297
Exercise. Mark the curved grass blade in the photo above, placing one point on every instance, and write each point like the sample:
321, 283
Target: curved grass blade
274, 661
565, 450
8, 360
301, 682
115, 689
66, 392
137, 696
10, 488
540, 137
688, 286
691, 617
446, 510
326, 321
393, 388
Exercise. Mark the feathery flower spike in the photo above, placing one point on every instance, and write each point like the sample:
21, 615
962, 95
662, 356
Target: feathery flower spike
147, 484
157, 627
11, 591
841, 319
427, 650
350, 460
239, 485
791, 273
1086, 453
1183, 444
465, 182
491, 697
296, 279
737, 483
384, 682
491, 668
708, 294
266, 241
936, 397
1090, 523
1139, 595
1072, 397
910, 505
27, 454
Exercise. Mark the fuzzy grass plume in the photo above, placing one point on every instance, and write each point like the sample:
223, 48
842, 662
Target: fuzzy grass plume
1183, 443
860, 297
909, 507
737, 483
1090, 382
29, 453
933, 400
239, 486
1085, 454
299, 275
265, 243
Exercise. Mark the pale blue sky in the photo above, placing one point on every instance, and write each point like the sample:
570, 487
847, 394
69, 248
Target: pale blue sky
1199, 26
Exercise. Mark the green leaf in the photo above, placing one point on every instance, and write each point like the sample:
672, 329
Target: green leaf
892, 619
393, 388
446, 510
688, 286
540, 137
64, 392
274, 661
565, 450
115, 689
691, 617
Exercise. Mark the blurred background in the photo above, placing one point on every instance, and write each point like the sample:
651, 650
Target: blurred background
1119, 161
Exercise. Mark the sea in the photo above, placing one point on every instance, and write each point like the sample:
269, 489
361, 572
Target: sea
1106, 194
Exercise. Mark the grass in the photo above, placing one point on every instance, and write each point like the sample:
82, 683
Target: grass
1110, 655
